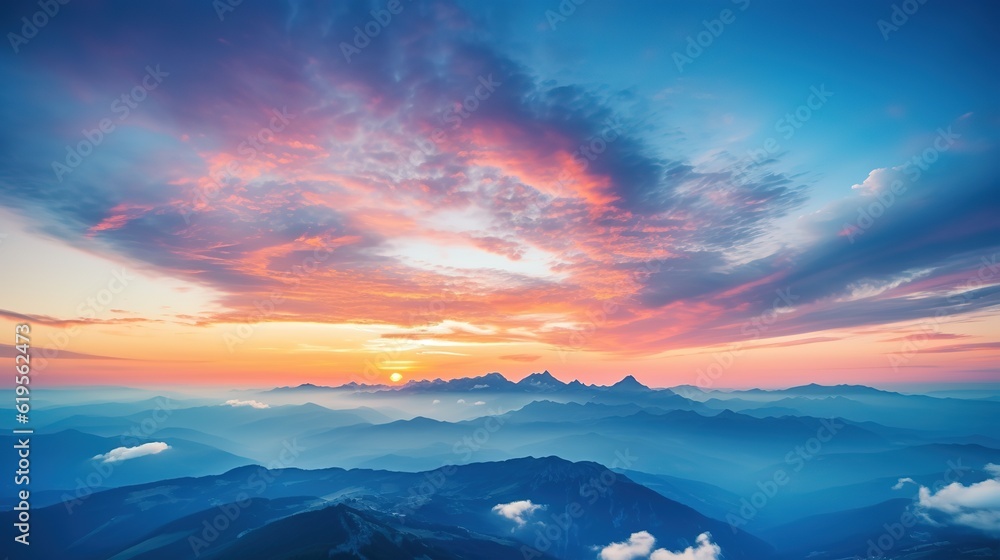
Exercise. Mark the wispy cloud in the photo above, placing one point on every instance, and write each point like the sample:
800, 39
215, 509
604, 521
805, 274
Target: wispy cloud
250, 403
120, 454
521, 357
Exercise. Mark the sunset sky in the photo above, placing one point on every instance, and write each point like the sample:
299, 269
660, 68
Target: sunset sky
275, 199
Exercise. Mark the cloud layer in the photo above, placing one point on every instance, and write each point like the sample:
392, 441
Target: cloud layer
976, 505
440, 185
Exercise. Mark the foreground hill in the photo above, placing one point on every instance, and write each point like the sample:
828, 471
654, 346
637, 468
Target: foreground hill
446, 513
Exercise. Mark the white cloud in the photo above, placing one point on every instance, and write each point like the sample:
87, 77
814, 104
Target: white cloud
976, 506
902, 481
479, 403
254, 404
436, 401
880, 180
517, 511
705, 550
639, 546
119, 454
460, 401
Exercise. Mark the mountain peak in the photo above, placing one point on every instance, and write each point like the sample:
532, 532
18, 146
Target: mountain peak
543, 380
495, 376
630, 383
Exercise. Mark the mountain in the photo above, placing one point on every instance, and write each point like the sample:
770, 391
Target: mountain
67, 461
941, 415
293, 528
311, 388
707, 499
550, 411
343, 533
680, 443
450, 511
629, 384
122, 408
541, 383
491, 382
598, 505
630, 391
885, 530
827, 470
815, 389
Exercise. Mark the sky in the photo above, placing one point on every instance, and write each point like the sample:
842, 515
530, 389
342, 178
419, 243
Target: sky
723, 194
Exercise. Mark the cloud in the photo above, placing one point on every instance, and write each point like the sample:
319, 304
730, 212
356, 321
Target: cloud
120, 454
705, 550
10, 351
436, 401
56, 322
521, 357
250, 403
639, 546
927, 336
976, 506
964, 347
479, 403
903, 481
500, 209
517, 511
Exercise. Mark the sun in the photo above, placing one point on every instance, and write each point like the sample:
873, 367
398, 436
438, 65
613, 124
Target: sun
396, 377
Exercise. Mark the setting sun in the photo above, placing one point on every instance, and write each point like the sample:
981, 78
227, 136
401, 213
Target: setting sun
396, 377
